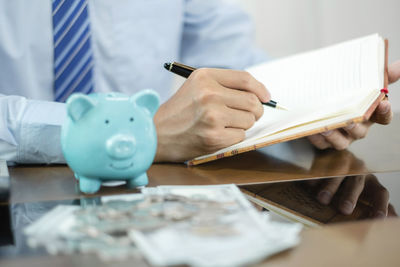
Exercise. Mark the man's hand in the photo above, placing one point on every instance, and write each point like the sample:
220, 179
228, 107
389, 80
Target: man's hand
343, 192
348, 191
210, 111
341, 138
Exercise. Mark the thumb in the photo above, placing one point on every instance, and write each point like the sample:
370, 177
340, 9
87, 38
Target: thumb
394, 71
383, 113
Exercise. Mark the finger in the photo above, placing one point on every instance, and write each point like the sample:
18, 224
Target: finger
232, 136
353, 186
242, 80
240, 119
243, 100
357, 130
319, 141
379, 196
213, 140
337, 139
383, 113
328, 189
394, 72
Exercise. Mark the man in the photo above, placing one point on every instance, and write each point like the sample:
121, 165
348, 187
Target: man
121, 46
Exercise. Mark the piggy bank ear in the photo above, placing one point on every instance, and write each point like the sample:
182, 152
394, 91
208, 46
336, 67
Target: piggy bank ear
147, 99
78, 105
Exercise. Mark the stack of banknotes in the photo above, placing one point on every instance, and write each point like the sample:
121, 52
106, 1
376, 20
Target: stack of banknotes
167, 225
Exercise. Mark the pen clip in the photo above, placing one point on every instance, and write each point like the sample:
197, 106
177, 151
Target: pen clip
183, 66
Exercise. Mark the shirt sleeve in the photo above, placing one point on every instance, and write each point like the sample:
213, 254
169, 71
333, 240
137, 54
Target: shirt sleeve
30, 130
218, 34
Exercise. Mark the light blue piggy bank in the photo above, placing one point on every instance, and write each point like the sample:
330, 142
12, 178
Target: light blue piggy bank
110, 136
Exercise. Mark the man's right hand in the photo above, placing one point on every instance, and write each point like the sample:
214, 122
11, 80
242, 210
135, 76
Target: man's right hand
211, 110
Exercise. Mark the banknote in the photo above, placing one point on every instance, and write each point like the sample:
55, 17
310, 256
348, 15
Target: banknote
222, 229
167, 225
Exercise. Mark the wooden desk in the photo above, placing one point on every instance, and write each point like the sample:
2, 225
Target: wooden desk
379, 152
368, 243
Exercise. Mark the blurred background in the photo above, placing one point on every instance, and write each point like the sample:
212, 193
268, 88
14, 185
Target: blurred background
286, 27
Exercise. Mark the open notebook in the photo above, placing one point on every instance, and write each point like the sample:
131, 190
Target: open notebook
324, 89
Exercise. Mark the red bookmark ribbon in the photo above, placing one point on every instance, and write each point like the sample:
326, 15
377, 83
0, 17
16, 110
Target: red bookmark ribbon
385, 91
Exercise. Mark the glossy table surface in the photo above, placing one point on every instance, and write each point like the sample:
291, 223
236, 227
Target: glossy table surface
369, 243
365, 242
297, 160
362, 243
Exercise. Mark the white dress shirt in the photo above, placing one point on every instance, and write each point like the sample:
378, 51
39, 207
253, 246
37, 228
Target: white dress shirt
131, 39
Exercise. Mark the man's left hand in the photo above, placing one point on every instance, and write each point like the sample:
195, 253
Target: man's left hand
340, 139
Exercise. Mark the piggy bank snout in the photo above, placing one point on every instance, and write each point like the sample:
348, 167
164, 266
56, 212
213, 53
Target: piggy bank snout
121, 146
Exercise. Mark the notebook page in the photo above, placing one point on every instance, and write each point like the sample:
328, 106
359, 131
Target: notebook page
315, 77
274, 120
364, 105
325, 82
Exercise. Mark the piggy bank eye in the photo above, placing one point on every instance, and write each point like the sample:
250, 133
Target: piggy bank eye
106, 121
131, 119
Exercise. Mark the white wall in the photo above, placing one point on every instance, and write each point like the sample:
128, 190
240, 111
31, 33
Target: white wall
285, 27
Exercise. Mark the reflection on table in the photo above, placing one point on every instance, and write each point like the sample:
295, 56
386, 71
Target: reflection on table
330, 200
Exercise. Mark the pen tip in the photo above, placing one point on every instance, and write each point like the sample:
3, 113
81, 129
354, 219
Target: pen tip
282, 107
167, 65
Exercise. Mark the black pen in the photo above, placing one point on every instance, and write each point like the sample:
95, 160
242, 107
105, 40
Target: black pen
185, 71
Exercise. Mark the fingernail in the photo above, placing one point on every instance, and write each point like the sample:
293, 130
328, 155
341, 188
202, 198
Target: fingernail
380, 214
350, 126
327, 133
385, 109
346, 207
324, 197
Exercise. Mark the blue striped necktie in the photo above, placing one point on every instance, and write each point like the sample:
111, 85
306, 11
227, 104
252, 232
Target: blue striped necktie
73, 58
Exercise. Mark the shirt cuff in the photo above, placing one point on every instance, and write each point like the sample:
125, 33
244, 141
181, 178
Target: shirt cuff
40, 133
